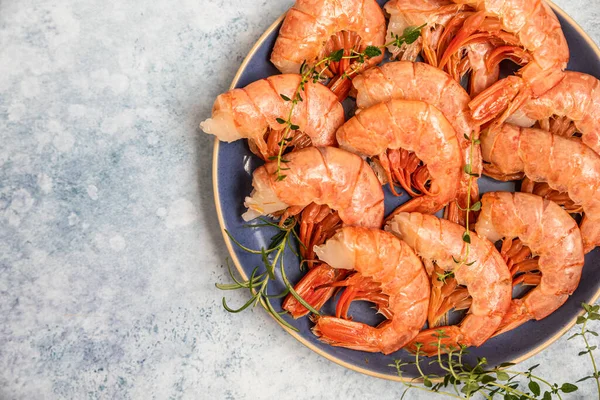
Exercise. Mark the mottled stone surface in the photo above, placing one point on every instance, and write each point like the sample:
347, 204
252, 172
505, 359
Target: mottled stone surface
109, 243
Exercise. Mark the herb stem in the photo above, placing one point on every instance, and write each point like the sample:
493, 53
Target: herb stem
587, 346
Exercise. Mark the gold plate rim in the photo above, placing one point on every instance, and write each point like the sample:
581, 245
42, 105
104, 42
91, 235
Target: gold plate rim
296, 335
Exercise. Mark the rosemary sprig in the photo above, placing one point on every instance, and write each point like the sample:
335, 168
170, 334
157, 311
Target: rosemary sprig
590, 314
272, 258
468, 169
462, 380
314, 73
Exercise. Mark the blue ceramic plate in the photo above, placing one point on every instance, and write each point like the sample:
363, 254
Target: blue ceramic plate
232, 178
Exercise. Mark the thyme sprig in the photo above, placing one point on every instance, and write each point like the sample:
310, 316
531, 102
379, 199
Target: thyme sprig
590, 314
258, 284
462, 381
315, 73
466, 237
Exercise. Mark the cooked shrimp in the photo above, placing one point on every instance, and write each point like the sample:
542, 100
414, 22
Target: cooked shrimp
418, 81
484, 274
566, 165
531, 35
435, 14
318, 180
569, 107
252, 113
442, 20
413, 126
551, 236
388, 273
313, 29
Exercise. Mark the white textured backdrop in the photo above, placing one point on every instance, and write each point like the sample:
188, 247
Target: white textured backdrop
109, 243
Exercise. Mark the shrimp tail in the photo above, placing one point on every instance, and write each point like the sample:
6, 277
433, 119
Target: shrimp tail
349, 334
504, 96
431, 341
358, 336
314, 288
423, 205
516, 316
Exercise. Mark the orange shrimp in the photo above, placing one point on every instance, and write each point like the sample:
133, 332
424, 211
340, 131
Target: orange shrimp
313, 29
435, 14
419, 81
414, 126
484, 274
389, 274
442, 19
252, 113
569, 107
551, 237
318, 180
530, 34
565, 165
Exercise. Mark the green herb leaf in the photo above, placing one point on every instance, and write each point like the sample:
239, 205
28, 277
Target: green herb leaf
294, 127
476, 206
411, 34
372, 51
281, 121
337, 55
502, 376
547, 396
427, 382
580, 320
568, 388
466, 237
284, 97
534, 387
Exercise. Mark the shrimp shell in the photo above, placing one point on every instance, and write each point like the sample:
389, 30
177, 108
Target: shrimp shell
576, 97
309, 24
251, 111
567, 165
381, 258
414, 126
323, 175
487, 279
550, 233
419, 81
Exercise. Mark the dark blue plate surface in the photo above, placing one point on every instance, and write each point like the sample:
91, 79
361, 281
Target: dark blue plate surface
233, 166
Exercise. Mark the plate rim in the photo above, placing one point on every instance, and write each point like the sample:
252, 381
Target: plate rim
296, 335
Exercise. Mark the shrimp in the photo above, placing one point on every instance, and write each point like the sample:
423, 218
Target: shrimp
484, 274
419, 81
441, 19
530, 35
318, 180
434, 14
565, 165
569, 107
550, 234
252, 112
413, 126
313, 29
388, 273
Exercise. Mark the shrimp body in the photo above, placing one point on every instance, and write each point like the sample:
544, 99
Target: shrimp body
551, 234
414, 126
323, 175
537, 42
419, 81
312, 29
386, 265
566, 165
252, 112
576, 99
484, 274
